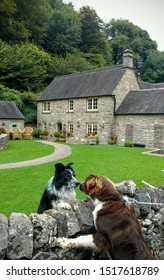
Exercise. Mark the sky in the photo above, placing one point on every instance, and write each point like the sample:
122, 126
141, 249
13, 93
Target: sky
147, 14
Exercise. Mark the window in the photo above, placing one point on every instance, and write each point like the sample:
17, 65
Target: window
46, 107
71, 105
92, 104
44, 126
92, 129
71, 128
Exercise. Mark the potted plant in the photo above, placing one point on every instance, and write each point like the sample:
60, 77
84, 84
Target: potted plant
37, 132
62, 138
45, 134
56, 135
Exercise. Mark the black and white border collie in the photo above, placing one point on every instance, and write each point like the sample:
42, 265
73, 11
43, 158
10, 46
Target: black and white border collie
60, 189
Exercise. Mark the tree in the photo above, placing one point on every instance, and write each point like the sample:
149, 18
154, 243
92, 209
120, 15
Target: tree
63, 32
25, 101
93, 39
23, 66
72, 63
123, 34
23, 20
153, 68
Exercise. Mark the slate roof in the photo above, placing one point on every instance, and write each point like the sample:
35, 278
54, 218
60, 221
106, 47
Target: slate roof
150, 101
146, 85
99, 82
9, 110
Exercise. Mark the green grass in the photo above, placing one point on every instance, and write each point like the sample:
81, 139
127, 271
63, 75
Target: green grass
20, 150
21, 189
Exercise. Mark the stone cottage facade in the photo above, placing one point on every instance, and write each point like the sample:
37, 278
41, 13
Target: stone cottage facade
10, 116
105, 102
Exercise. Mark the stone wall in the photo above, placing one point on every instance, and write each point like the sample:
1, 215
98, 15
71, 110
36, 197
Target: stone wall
127, 83
148, 129
3, 141
36, 237
8, 124
80, 117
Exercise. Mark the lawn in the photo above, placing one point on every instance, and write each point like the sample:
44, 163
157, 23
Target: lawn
21, 189
20, 150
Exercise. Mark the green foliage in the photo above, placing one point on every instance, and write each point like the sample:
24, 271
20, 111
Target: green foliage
129, 143
72, 63
56, 134
153, 69
25, 101
123, 35
93, 40
23, 20
23, 66
63, 32
37, 132
11, 95
44, 132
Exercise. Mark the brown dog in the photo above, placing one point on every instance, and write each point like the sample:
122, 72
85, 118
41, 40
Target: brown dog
117, 227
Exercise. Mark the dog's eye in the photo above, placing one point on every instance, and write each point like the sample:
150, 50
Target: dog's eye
68, 176
91, 187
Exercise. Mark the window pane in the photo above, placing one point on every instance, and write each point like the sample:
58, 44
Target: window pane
89, 128
89, 104
95, 103
92, 129
95, 128
70, 105
71, 127
48, 106
44, 106
92, 104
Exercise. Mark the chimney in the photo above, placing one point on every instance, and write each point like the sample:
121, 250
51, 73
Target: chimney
128, 59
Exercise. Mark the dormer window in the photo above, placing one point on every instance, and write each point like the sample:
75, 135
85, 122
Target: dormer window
92, 104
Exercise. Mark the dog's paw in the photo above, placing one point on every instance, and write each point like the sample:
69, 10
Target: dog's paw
62, 205
63, 242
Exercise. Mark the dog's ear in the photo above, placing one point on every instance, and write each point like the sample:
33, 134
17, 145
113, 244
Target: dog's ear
69, 165
92, 182
59, 167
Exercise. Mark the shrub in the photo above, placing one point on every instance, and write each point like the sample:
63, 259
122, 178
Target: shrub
57, 134
129, 144
37, 132
44, 132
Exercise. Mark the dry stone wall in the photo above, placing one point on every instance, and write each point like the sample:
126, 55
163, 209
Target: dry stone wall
35, 237
3, 141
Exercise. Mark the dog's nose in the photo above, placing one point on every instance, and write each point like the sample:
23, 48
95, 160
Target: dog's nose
81, 186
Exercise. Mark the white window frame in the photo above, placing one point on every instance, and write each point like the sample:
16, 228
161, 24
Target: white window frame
46, 107
92, 128
44, 126
92, 104
71, 105
71, 130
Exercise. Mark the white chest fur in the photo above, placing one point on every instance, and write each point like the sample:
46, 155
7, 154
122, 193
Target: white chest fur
98, 206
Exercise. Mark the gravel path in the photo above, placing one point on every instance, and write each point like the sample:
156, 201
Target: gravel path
61, 151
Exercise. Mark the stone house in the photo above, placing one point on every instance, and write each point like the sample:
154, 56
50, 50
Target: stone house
10, 116
108, 102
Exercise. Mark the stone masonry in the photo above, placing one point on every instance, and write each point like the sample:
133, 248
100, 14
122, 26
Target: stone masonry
153, 127
36, 237
80, 117
3, 141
